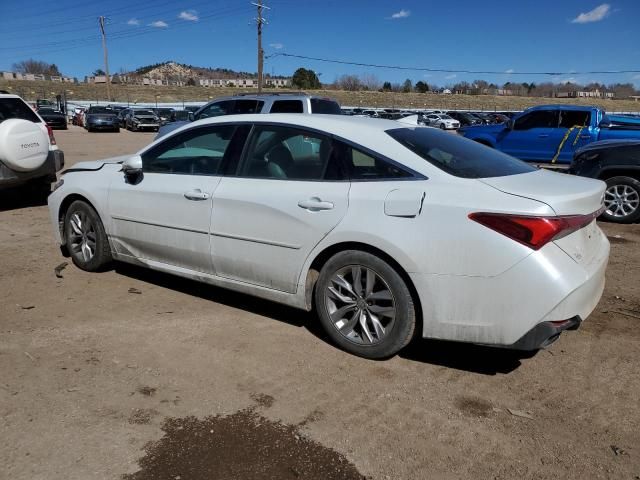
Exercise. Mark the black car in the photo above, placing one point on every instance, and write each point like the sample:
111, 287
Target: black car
465, 118
54, 118
617, 162
143, 119
101, 118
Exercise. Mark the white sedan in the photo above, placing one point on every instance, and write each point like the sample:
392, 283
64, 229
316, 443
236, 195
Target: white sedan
384, 229
442, 120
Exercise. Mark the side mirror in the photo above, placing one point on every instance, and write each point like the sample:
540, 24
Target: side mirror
132, 169
191, 117
509, 124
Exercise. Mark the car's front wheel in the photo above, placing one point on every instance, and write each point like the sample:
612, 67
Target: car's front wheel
364, 305
622, 200
86, 240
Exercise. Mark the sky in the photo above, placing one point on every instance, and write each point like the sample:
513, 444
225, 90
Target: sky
506, 37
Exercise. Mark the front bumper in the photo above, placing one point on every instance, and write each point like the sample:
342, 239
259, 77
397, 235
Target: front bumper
103, 126
141, 126
54, 163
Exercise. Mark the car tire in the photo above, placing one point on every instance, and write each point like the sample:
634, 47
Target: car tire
379, 315
117, 130
443, 126
622, 200
85, 237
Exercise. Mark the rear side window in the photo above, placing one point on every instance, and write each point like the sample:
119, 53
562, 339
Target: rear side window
216, 110
16, 108
287, 106
458, 156
572, 118
319, 105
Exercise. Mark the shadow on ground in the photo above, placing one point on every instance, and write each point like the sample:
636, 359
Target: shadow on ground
21, 197
461, 356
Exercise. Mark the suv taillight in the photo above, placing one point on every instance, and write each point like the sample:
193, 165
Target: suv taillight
52, 139
534, 232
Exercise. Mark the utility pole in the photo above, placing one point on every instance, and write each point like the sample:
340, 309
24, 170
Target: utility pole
259, 22
101, 20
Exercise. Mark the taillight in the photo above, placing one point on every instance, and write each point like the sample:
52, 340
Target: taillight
534, 232
52, 139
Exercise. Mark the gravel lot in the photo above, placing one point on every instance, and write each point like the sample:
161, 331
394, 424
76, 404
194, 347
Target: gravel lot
101, 374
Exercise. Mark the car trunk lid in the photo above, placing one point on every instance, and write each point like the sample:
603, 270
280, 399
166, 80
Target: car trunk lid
576, 198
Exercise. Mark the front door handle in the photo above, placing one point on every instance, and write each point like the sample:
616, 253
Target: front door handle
314, 204
543, 135
585, 137
196, 194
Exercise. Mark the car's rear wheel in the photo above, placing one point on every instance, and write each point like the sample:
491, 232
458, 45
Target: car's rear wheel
86, 240
364, 305
443, 126
622, 200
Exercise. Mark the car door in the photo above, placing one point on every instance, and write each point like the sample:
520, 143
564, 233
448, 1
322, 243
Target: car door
164, 215
268, 218
534, 136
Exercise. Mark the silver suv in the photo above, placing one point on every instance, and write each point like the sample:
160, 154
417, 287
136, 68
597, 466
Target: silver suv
260, 103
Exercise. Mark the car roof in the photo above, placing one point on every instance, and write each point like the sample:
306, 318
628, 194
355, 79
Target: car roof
562, 107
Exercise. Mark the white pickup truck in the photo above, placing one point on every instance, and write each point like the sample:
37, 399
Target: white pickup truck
29, 155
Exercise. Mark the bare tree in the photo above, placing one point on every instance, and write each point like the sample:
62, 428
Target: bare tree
36, 67
350, 83
369, 81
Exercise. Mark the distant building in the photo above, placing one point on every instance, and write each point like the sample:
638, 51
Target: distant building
36, 76
585, 94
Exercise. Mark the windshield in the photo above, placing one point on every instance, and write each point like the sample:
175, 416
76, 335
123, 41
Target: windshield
458, 156
101, 110
446, 117
138, 113
164, 111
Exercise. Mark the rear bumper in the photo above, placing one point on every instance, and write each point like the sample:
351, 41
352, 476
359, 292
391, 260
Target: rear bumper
54, 163
514, 309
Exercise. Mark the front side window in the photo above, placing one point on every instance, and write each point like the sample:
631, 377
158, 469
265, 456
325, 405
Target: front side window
287, 106
216, 110
198, 151
537, 119
458, 156
247, 106
286, 153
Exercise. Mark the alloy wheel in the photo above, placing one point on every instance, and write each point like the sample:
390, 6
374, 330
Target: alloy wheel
621, 200
360, 305
82, 236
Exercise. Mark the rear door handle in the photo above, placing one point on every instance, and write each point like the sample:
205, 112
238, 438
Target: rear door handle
196, 194
543, 135
314, 204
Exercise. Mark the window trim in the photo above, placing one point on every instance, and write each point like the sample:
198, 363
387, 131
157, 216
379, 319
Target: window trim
413, 175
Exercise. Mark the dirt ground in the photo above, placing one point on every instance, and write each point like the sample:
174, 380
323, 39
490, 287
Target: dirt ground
135, 374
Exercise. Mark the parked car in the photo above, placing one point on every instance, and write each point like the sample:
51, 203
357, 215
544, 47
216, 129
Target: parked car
29, 155
260, 103
486, 118
465, 118
122, 117
380, 227
54, 118
617, 162
549, 135
142, 119
78, 116
101, 118
164, 114
181, 115
443, 121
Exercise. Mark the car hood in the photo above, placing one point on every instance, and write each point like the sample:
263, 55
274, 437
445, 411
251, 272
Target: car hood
101, 116
565, 194
94, 165
622, 142
145, 117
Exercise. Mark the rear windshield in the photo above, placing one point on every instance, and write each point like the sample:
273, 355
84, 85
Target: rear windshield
100, 110
16, 108
330, 107
458, 156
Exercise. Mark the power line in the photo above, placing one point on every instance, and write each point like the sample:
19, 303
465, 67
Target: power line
444, 70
